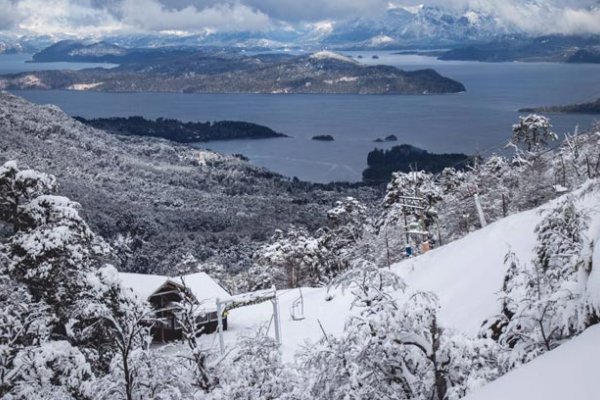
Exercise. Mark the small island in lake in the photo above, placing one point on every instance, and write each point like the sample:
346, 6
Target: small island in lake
389, 138
182, 132
323, 138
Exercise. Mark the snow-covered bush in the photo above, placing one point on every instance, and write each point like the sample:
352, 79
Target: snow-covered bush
395, 348
545, 302
155, 374
254, 371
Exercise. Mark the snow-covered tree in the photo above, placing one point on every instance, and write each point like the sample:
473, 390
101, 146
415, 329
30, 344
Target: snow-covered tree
544, 301
52, 370
347, 224
128, 331
67, 304
18, 187
412, 188
297, 257
254, 370
159, 374
578, 158
23, 325
532, 133
188, 312
395, 348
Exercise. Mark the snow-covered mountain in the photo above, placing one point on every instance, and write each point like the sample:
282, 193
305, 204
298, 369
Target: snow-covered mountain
423, 25
396, 27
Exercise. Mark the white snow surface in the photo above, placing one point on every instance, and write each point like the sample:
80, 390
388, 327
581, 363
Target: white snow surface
567, 372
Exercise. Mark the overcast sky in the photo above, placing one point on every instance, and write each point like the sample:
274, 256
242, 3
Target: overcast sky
83, 17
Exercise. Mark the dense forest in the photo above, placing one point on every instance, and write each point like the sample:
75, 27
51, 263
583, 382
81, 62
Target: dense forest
404, 158
182, 132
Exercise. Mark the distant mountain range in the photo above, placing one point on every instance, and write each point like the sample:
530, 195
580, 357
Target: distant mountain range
397, 28
189, 70
468, 34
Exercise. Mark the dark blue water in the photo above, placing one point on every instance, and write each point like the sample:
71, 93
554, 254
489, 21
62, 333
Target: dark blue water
479, 120
13, 63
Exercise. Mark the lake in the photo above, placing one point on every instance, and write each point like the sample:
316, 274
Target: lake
13, 63
478, 121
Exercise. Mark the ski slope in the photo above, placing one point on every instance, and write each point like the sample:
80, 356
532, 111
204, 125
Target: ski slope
567, 372
466, 275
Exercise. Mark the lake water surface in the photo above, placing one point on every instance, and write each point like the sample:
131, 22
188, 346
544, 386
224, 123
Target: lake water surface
479, 120
14, 63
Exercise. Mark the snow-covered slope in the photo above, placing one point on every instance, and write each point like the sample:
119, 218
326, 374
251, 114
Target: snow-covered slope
568, 372
466, 275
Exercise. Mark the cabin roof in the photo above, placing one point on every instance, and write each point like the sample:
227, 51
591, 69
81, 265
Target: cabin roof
203, 287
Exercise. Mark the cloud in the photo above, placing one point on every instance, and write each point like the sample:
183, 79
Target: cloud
9, 15
76, 17
293, 11
155, 16
66, 17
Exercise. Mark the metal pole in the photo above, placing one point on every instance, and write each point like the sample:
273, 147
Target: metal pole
220, 326
301, 301
277, 327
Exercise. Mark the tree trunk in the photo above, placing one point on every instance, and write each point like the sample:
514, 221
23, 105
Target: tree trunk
128, 380
440, 379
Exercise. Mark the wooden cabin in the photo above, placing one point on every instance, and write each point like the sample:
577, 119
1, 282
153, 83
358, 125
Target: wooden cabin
163, 292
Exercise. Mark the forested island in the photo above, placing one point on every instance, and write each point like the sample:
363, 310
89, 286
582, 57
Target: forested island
571, 49
182, 132
582, 108
193, 70
405, 158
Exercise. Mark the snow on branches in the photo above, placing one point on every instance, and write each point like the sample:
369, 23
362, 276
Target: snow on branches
545, 302
395, 348
532, 133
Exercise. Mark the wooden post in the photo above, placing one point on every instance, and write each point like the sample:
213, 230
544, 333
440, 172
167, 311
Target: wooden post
220, 326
